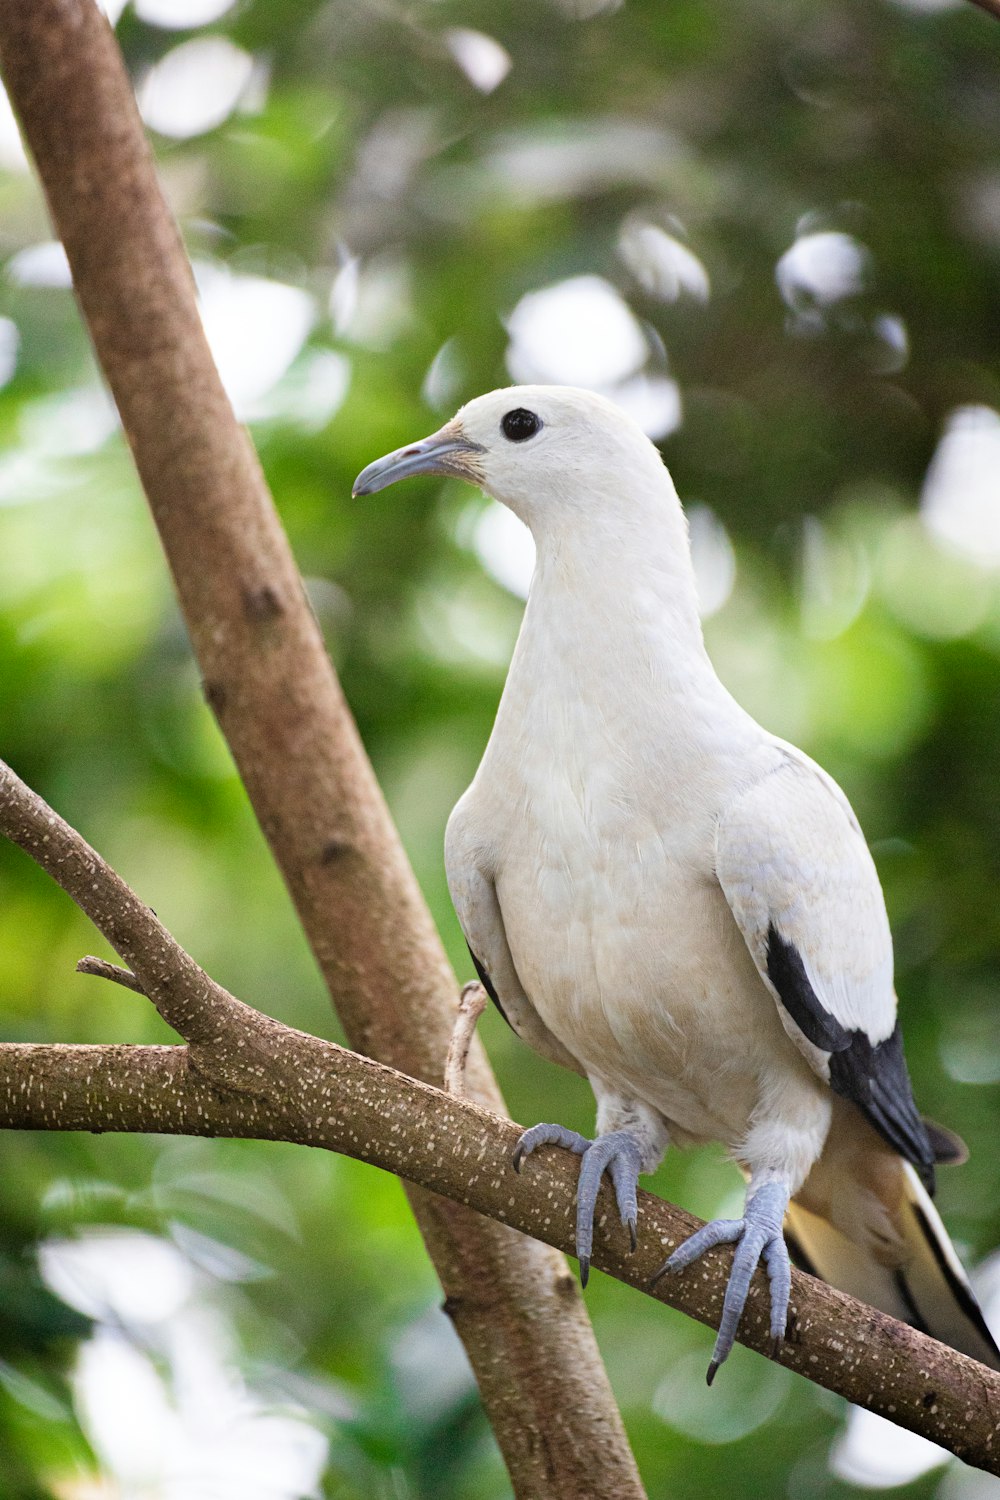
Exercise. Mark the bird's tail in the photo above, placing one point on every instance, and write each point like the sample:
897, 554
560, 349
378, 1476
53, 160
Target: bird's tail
876, 1235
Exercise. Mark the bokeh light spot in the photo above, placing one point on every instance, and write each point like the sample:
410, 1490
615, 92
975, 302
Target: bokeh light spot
821, 269
481, 58
179, 15
960, 501
195, 87
576, 332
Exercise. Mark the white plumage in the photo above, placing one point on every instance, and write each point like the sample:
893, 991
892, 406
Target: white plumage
669, 899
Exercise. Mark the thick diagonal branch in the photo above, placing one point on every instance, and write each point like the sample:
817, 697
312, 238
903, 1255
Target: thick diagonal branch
280, 707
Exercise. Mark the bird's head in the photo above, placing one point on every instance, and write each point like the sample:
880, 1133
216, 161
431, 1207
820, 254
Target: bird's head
542, 450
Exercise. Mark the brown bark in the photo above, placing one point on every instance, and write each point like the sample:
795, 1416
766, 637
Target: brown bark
256, 1078
275, 695
350, 1104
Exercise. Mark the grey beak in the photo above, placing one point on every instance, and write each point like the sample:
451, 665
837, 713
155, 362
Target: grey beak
446, 452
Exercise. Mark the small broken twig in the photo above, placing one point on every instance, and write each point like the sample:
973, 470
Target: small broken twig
471, 1004
101, 969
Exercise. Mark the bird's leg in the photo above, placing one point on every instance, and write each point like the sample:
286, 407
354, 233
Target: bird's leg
617, 1153
758, 1235
631, 1139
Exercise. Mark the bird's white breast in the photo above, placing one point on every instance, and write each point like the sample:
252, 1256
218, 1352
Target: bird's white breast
603, 801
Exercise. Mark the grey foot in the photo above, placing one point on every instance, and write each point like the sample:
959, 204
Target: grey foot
616, 1153
758, 1235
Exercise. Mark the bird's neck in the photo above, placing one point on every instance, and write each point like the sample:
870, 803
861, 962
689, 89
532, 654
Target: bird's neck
610, 666
624, 580
610, 673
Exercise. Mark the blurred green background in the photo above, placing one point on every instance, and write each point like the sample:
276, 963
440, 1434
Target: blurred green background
771, 229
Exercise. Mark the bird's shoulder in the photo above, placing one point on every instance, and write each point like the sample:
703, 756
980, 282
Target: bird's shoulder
786, 802
467, 832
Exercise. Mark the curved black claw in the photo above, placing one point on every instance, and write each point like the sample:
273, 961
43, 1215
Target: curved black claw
757, 1236
617, 1153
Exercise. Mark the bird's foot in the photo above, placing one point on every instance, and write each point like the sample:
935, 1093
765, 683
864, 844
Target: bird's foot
758, 1235
618, 1153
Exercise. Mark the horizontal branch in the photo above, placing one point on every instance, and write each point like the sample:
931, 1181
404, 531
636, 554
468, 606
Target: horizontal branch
347, 1103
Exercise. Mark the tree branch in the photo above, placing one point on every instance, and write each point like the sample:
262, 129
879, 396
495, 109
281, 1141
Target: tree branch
257, 1078
277, 700
101, 969
471, 1003
350, 1104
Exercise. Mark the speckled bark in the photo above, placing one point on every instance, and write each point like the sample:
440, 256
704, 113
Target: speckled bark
270, 683
321, 1095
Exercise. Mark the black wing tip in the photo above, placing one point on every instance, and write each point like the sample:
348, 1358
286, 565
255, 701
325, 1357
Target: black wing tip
948, 1147
872, 1075
487, 984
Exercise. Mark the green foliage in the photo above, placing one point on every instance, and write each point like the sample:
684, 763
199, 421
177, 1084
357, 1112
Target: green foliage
411, 212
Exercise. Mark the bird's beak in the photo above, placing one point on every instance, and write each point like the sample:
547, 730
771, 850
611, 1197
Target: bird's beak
447, 452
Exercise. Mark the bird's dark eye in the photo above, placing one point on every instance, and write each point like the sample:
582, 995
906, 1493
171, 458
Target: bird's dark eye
520, 424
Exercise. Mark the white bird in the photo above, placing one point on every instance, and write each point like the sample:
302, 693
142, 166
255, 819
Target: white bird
668, 899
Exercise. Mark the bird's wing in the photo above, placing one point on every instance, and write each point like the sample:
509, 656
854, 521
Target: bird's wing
468, 859
799, 878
